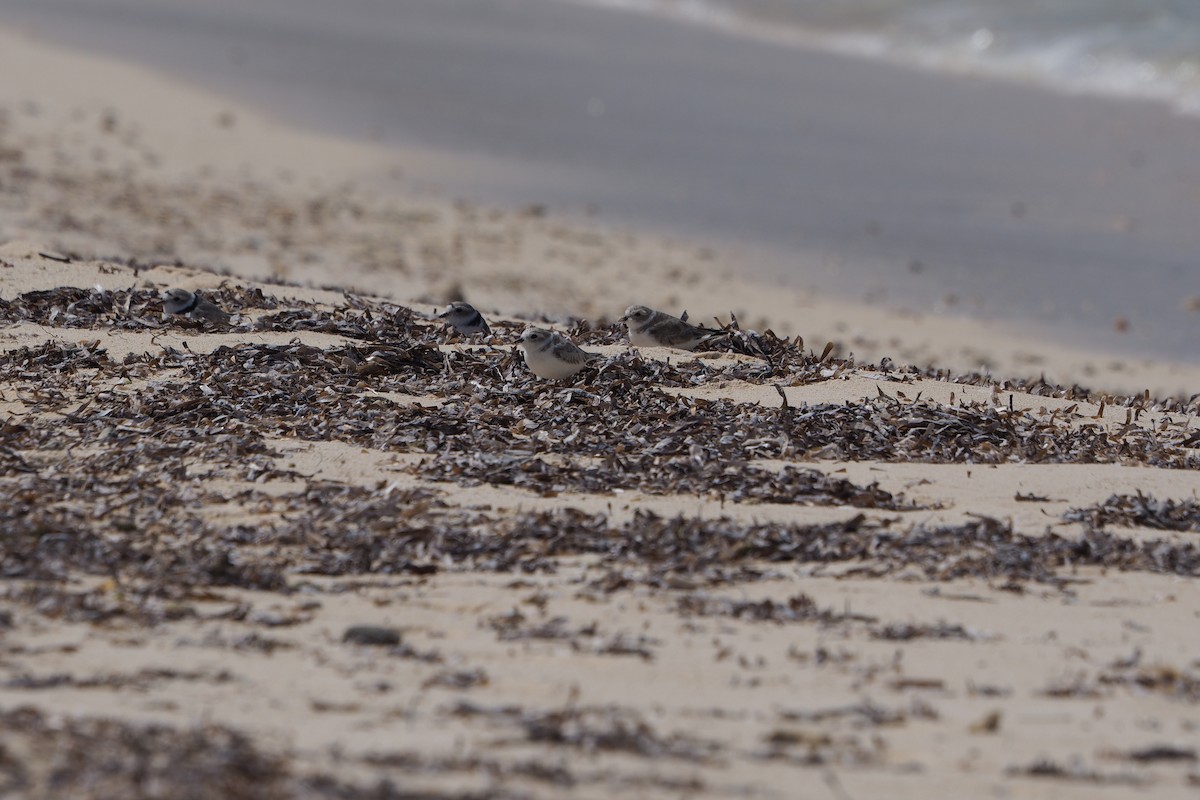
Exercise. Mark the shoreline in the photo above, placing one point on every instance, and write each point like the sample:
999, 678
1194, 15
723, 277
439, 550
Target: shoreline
1069, 214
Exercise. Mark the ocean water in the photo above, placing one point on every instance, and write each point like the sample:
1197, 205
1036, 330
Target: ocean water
1133, 48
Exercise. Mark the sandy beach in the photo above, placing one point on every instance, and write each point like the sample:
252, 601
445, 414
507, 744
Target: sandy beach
332, 550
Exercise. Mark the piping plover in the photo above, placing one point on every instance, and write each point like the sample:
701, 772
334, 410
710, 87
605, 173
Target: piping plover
465, 319
193, 306
551, 355
650, 328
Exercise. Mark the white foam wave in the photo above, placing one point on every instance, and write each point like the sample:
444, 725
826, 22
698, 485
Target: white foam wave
1084, 63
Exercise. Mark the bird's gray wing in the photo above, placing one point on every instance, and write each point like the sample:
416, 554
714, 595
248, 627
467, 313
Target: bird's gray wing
568, 352
211, 312
671, 331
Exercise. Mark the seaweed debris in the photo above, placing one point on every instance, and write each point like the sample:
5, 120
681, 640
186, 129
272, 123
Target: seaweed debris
1139, 510
1076, 770
106, 758
109, 470
693, 475
597, 729
798, 608
117, 309
93, 758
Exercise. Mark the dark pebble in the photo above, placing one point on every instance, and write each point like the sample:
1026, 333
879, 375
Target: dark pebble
372, 635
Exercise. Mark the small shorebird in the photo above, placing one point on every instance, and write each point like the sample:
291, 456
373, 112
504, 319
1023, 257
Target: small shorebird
193, 306
551, 355
463, 317
650, 328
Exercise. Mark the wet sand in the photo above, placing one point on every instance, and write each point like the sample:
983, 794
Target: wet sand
331, 551
935, 193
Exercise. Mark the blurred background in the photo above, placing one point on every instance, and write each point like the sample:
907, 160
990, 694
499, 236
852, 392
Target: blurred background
1035, 161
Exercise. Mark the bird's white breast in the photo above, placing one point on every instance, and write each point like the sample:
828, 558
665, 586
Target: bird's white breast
544, 364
